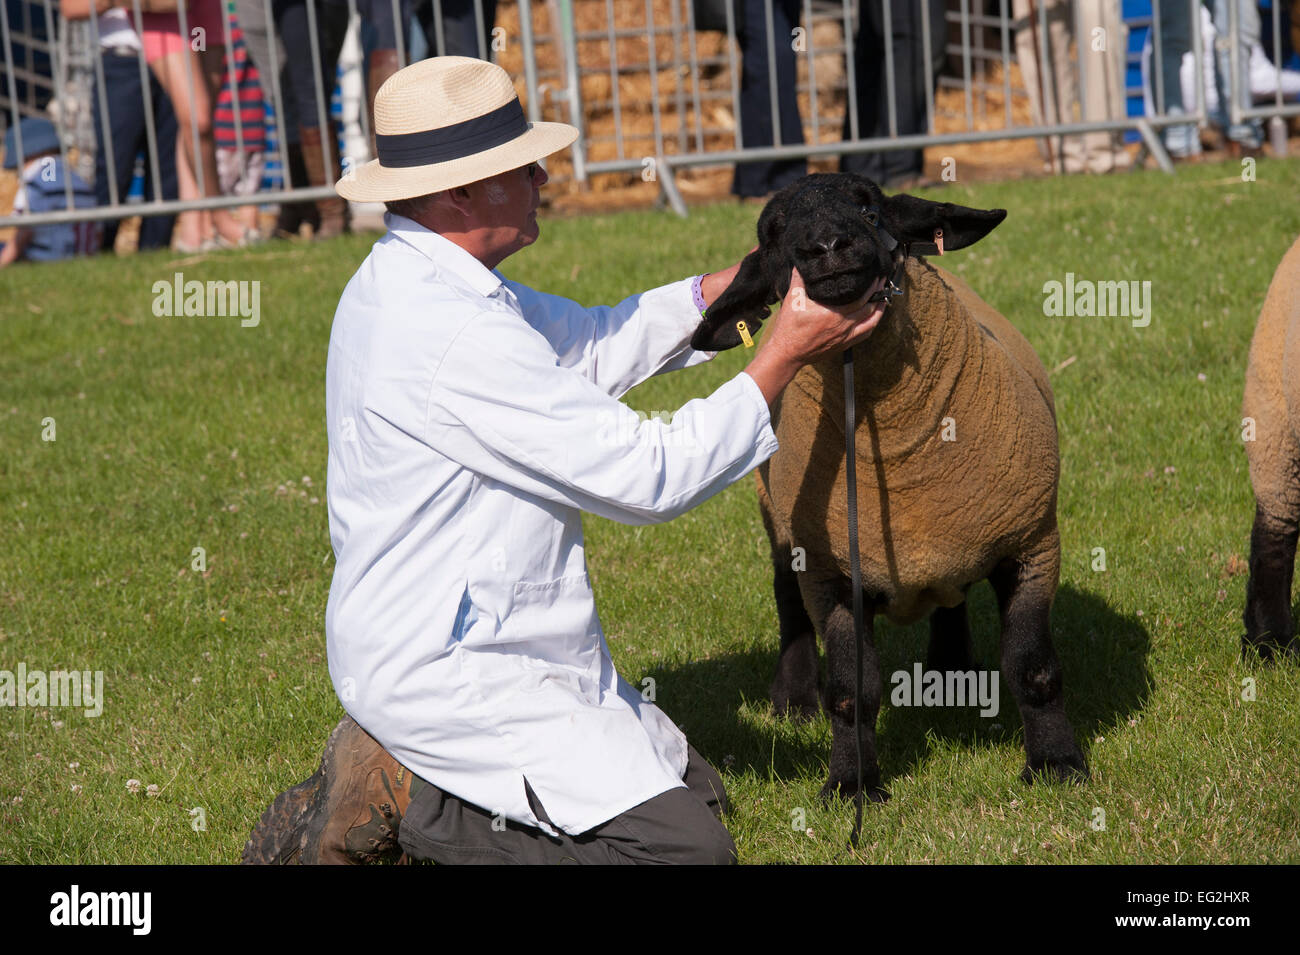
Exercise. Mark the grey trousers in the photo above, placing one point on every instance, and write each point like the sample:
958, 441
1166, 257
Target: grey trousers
680, 826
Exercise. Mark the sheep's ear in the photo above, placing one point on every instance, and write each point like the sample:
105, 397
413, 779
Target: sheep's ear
746, 299
914, 222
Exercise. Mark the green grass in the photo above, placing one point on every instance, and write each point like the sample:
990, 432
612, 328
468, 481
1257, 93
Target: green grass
176, 433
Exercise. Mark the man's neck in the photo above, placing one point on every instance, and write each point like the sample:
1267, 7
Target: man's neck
472, 241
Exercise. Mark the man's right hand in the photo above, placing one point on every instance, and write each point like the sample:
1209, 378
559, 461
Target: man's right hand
804, 332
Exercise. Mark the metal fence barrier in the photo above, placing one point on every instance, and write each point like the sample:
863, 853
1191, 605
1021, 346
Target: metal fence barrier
652, 92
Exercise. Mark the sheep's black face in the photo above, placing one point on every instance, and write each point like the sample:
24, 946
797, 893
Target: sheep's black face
842, 234
829, 228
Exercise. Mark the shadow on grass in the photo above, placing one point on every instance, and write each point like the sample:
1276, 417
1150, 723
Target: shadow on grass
722, 703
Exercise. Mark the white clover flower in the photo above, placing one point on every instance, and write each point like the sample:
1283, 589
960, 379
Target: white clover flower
133, 785
152, 789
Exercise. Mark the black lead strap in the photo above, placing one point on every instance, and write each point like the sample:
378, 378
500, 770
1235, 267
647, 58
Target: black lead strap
851, 475
892, 288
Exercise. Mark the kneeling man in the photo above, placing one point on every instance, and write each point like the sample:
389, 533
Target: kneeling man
465, 414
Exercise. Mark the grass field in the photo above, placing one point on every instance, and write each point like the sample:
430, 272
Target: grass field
177, 433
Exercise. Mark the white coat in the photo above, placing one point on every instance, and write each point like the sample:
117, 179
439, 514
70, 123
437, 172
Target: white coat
470, 421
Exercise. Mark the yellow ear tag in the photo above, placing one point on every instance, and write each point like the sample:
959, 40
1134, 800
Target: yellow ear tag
744, 334
938, 239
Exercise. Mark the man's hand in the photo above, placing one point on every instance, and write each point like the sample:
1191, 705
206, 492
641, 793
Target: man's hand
803, 332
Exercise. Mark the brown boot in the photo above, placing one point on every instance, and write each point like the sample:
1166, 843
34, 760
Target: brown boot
383, 64
333, 211
345, 813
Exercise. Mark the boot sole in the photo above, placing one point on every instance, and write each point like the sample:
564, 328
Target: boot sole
277, 837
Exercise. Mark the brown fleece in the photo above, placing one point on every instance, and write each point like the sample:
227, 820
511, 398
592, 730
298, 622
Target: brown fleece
1273, 398
934, 516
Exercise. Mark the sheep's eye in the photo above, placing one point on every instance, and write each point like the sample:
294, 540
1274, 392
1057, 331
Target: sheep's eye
872, 216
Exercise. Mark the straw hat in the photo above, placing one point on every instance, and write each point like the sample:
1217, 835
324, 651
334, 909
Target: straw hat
444, 122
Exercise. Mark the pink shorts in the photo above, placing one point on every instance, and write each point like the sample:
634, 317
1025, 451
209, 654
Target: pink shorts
162, 31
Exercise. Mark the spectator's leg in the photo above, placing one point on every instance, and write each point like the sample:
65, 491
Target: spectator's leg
756, 125
869, 84
180, 73
1100, 25
1027, 56
383, 58
189, 230
156, 231
910, 61
1248, 135
1175, 40
319, 148
460, 32
1064, 87
1044, 28
126, 130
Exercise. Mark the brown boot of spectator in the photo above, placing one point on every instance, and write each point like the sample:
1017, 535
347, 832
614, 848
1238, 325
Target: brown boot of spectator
383, 64
346, 813
334, 211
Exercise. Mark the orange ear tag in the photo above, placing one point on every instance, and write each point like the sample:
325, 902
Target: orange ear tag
938, 239
744, 334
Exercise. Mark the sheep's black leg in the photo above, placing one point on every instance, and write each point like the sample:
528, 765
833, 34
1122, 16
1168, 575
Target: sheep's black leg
1030, 667
795, 687
1269, 627
950, 643
841, 658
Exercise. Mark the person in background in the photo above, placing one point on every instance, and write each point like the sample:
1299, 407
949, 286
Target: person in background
1054, 91
459, 33
319, 145
1245, 138
1174, 23
895, 169
759, 179
190, 68
45, 179
241, 148
383, 60
251, 15
121, 131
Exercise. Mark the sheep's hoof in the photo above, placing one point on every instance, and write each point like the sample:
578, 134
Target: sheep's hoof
788, 707
1267, 650
1069, 769
833, 791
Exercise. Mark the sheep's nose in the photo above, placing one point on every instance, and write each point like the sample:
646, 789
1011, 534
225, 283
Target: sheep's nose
819, 247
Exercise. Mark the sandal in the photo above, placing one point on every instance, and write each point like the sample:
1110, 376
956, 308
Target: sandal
184, 248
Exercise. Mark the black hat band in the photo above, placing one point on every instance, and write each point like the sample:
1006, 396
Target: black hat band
452, 142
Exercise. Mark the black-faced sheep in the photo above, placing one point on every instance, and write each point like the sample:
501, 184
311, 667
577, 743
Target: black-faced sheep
1272, 411
957, 465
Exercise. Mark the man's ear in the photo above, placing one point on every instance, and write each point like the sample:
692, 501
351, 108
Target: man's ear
915, 222
746, 299
456, 202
